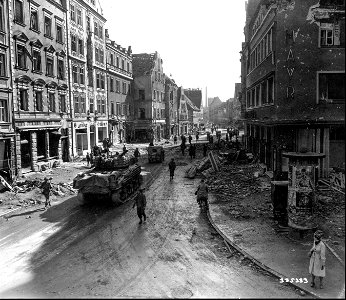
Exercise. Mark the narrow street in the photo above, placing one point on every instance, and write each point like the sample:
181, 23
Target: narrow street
100, 251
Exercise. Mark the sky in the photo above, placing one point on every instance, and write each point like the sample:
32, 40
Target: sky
198, 40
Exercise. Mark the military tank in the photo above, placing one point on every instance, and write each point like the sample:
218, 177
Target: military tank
112, 179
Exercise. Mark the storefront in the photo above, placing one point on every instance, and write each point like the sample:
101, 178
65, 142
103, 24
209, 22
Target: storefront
81, 141
102, 131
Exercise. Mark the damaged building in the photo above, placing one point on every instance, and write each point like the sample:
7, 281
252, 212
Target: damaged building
149, 118
293, 73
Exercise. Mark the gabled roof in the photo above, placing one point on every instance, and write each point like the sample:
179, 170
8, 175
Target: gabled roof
190, 103
143, 63
195, 96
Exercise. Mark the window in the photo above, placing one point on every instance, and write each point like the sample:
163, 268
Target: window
117, 86
248, 98
39, 100
101, 56
102, 81
79, 17
76, 104
81, 75
252, 97
73, 43
36, 60
98, 79
59, 34
118, 109
271, 90
62, 101
154, 115
100, 32
75, 74
124, 87
47, 26
111, 83
51, 97
2, 16
91, 105
332, 34
96, 28
112, 108
117, 61
61, 69
82, 104
103, 106
112, 59
72, 13
81, 46
19, 11
96, 54
128, 67
3, 111
34, 20
330, 87
141, 94
49, 66
154, 94
98, 100
2, 65
88, 23
142, 113
123, 64
21, 56
264, 92
258, 90
24, 100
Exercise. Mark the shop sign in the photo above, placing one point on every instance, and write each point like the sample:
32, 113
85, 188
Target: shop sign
101, 124
81, 125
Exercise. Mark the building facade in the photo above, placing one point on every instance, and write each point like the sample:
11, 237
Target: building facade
293, 69
195, 95
87, 75
149, 118
183, 112
7, 135
40, 91
171, 104
119, 92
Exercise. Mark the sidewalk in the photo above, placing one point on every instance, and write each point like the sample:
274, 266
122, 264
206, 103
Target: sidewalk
258, 239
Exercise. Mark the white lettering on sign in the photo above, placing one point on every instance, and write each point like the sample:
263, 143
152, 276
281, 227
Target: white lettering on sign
82, 125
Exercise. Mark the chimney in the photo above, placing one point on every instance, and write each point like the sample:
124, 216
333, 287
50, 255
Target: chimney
106, 33
129, 50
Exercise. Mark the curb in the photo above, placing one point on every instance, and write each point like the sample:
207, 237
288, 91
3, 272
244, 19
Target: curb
255, 261
12, 210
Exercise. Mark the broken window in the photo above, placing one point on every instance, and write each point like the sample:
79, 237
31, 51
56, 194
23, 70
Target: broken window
330, 87
36, 60
34, 20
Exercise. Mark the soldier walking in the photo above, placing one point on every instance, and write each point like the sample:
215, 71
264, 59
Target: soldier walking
46, 187
172, 167
141, 203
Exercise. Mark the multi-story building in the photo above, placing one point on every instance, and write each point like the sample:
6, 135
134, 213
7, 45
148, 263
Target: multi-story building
39, 72
293, 64
216, 110
233, 107
87, 74
7, 140
171, 104
149, 121
183, 113
119, 95
195, 95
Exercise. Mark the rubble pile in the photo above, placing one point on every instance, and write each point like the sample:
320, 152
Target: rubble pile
28, 192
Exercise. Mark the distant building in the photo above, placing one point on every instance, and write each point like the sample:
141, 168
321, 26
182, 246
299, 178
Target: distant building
293, 73
195, 95
171, 105
149, 121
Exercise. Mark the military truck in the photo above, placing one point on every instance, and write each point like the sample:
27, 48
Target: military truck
156, 154
112, 179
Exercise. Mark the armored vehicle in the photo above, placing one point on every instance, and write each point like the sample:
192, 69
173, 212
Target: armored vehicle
112, 179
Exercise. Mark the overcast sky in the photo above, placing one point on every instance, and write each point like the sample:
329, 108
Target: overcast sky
198, 40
